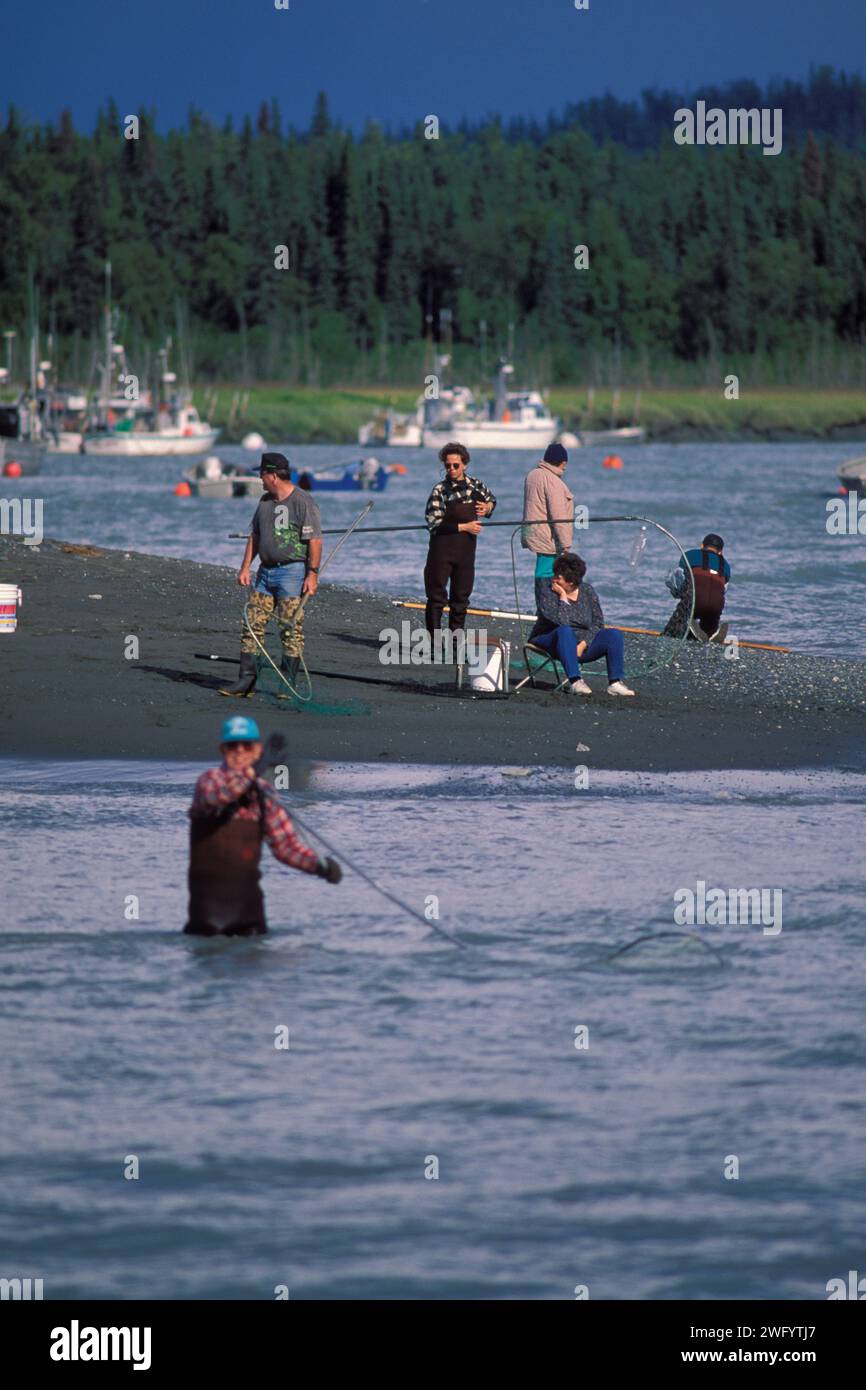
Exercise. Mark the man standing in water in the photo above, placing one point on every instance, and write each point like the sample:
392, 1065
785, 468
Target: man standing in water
233, 810
454, 511
286, 534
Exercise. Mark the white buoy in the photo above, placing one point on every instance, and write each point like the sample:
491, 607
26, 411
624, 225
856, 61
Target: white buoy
252, 441
569, 441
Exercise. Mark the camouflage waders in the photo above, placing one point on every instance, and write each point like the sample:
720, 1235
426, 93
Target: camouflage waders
260, 608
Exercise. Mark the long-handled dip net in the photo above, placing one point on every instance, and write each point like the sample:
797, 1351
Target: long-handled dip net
634, 586
631, 583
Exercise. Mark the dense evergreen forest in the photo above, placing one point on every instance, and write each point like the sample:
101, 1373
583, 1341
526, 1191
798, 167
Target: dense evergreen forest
700, 259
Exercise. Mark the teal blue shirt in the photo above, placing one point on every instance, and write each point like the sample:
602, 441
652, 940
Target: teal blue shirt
717, 563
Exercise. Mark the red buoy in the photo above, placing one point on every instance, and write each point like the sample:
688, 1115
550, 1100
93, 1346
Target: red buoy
12, 469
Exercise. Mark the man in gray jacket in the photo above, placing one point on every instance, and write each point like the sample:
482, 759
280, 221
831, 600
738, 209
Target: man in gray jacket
549, 504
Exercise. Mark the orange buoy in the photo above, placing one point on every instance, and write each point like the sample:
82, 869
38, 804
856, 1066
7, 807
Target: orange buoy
12, 469
183, 490
612, 461
397, 468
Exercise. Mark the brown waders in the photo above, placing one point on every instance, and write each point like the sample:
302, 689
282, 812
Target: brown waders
225, 896
709, 601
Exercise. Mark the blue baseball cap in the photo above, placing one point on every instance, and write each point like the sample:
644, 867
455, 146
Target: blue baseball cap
239, 729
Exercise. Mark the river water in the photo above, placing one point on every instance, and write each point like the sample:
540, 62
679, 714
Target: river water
565, 1158
793, 582
559, 1164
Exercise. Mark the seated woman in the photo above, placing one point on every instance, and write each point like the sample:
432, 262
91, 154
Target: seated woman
571, 626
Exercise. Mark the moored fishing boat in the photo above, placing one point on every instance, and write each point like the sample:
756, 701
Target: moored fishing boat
627, 434
217, 480
176, 430
390, 429
64, 419
511, 420
852, 475
367, 476
129, 422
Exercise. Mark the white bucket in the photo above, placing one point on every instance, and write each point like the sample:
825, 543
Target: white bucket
493, 675
10, 601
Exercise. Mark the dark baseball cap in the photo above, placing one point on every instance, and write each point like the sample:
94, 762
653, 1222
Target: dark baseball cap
275, 463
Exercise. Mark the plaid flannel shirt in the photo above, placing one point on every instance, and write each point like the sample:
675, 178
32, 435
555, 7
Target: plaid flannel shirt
218, 788
467, 490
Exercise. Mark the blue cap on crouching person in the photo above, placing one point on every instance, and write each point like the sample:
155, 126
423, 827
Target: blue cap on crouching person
555, 453
240, 729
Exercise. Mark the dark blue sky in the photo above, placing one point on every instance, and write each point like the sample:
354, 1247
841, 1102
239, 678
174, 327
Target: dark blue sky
397, 60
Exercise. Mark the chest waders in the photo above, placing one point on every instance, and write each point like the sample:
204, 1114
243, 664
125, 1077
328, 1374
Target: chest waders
225, 896
257, 614
450, 558
709, 594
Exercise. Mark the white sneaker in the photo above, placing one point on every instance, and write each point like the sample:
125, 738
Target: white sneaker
619, 688
580, 688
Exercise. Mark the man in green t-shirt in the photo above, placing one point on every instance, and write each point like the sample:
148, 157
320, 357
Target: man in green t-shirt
286, 535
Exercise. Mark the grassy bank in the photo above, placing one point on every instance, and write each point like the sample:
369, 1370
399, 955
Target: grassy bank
305, 416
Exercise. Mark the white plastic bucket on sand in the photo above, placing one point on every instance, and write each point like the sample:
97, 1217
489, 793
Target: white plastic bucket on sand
10, 601
492, 674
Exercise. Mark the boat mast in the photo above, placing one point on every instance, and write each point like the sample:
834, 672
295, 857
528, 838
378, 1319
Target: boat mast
32, 312
109, 345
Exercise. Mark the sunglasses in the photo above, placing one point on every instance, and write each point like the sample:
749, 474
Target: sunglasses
455, 466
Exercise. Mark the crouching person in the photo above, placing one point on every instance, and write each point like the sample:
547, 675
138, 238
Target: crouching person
570, 625
710, 574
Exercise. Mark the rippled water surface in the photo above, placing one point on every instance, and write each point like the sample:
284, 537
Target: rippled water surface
793, 583
557, 1166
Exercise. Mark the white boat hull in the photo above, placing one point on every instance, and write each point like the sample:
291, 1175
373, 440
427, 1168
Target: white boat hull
409, 438
146, 445
225, 486
629, 434
490, 434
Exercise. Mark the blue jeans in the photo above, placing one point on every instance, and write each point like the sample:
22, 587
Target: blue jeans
562, 643
280, 581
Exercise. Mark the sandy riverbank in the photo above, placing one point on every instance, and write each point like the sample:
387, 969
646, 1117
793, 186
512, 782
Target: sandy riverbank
69, 691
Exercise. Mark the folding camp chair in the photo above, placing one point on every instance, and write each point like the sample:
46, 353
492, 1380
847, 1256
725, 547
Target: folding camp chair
548, 659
